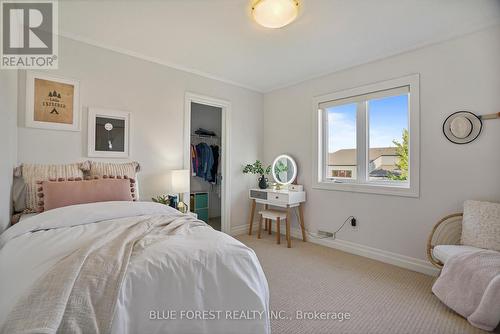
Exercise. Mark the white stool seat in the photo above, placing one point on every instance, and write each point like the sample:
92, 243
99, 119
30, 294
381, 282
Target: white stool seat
268, 216
273, 214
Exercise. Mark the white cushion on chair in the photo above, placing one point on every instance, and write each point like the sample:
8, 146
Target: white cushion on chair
272, 214
481, 225
444, 252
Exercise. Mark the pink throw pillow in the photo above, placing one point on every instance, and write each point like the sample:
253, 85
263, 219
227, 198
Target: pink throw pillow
55, 194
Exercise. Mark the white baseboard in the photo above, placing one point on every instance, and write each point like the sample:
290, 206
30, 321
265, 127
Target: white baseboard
381, 255
238, 230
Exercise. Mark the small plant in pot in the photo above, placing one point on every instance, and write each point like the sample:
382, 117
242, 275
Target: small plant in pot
258, 169
162, 199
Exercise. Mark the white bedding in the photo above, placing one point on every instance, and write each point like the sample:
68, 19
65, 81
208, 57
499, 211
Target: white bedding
26, 216
190, 271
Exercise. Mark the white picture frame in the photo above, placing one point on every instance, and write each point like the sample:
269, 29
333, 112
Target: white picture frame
33, 96
95, 114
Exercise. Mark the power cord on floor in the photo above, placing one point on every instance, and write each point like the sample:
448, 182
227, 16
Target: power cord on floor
348, 219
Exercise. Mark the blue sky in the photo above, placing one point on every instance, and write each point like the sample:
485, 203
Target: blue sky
388, 117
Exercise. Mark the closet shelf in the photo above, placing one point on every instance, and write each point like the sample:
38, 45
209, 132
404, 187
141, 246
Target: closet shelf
203, 137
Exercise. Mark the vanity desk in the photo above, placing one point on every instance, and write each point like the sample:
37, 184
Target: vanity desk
280, 198
283, 198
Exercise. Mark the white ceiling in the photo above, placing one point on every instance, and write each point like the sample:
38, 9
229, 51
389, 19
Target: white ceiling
218, 38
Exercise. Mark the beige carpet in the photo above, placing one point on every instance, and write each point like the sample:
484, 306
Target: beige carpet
380, 298
215, 222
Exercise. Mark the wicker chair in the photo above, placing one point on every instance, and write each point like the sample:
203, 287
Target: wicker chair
446, 232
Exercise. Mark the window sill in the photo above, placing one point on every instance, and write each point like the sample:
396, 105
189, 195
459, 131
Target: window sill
380, 189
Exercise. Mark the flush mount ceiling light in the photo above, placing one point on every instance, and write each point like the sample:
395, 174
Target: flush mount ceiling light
275, 13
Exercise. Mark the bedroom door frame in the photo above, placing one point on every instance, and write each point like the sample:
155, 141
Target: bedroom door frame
226, 152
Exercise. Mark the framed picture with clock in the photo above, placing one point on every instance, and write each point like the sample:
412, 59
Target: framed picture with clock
52, 103
108, 135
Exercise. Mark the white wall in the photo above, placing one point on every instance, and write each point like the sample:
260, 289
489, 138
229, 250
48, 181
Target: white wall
154, 94
209, 118
8, 139
461, 74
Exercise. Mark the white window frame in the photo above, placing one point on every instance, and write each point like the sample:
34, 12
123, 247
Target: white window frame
362, 183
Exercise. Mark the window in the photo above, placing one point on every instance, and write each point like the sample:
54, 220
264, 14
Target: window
388, 137
341, 140
368, 138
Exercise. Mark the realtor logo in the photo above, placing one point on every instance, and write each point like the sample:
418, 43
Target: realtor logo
29, 34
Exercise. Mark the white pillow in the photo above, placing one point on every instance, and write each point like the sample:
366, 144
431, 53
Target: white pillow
32, 173
481, 225
129, 169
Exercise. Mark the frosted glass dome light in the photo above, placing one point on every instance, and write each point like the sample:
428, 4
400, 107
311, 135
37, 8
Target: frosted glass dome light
275, 13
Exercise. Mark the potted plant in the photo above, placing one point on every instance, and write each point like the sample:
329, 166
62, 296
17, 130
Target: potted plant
167, 200
258, 169
162, 199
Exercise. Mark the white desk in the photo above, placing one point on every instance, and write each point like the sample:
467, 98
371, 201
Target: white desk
281, 198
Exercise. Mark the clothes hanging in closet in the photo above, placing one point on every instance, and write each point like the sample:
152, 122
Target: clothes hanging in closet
205, 161
215, 166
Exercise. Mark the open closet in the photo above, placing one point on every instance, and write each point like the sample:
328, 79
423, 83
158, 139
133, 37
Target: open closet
206, 157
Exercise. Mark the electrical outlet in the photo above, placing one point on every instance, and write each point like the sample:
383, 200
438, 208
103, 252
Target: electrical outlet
354, 224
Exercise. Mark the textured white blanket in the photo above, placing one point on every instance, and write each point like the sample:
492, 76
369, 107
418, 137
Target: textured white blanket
470, 285
79, 293
106, 267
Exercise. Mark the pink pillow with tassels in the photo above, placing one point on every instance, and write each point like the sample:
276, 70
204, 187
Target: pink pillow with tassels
58, 193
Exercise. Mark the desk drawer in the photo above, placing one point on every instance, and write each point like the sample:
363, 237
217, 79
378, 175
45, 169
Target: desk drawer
279, 198
258, 194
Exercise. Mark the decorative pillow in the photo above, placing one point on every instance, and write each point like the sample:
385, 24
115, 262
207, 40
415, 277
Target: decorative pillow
94, 168
481, 225
15, 218
31, 173
100, 169
19, 194
56, 194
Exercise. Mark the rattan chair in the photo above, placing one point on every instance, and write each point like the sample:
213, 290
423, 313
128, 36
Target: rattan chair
446, 232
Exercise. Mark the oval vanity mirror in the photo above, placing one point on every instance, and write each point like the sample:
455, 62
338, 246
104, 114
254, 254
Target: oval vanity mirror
284, 169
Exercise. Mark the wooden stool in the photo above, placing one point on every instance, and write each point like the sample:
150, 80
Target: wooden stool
269, 216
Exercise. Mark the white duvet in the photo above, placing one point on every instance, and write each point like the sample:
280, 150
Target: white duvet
194, 280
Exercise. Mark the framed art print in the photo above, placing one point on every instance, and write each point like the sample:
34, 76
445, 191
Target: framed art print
109, 132
52, 103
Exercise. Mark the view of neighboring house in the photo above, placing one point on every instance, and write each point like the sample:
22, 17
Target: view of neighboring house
383, 160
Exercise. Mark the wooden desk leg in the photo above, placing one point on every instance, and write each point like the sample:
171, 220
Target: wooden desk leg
252, 212
278, 236
301, 218
270, 226
266, 221
288, 238
260, 227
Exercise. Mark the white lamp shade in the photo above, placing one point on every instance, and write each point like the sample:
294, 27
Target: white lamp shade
180, 181
275, 13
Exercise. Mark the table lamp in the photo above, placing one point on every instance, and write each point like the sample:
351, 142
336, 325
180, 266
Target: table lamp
180, 185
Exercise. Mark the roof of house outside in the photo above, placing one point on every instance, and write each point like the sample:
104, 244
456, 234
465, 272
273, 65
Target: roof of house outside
347, 157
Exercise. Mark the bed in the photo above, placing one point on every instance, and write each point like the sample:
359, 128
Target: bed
180, 275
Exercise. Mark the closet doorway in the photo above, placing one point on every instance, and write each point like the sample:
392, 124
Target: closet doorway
206, 156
